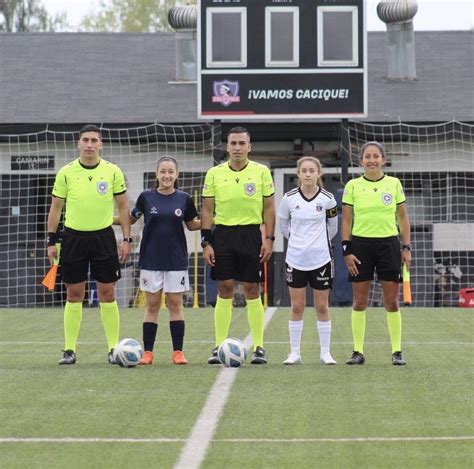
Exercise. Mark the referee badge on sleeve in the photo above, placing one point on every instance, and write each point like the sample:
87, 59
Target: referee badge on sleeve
387, 198
250, 189
102, 187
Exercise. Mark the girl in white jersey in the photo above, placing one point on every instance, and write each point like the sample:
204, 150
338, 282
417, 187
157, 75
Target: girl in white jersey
308, 219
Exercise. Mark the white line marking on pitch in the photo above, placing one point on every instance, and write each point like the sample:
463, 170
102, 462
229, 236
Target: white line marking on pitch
236, 440
194, 451
270, 342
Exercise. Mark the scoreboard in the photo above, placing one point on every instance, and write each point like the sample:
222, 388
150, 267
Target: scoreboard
282, 59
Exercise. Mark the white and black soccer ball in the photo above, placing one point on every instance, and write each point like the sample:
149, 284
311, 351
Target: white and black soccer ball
128, 352
232, 353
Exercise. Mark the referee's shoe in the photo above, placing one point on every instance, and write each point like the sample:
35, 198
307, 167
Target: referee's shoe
214, 359
259, 356
397, 359
69, 358
356, 359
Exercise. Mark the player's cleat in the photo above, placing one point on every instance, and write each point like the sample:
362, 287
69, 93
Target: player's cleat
214, 359
147, 358
397, 359
356, 359
293, 359
111, 358
259, 356
326, 359
179, 358
69, 358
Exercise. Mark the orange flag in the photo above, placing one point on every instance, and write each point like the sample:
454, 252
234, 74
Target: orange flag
49, 280
406, 285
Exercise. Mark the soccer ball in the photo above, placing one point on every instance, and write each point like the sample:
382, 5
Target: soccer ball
232, 353
128, 352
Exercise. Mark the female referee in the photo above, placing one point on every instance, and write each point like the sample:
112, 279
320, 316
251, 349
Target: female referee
373, 206
163, 258
308, 219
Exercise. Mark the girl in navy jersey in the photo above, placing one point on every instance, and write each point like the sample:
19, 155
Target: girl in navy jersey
163, 258
308, 219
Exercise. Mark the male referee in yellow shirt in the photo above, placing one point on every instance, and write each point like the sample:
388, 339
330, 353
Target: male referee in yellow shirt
88, 187
239, 195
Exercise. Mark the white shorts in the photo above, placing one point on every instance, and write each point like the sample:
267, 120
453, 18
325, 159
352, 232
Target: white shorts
172, 281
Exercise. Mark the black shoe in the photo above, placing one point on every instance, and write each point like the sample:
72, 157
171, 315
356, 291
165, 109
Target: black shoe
397, 359
111, 358
259, 356
69, 358
214, 359
356, 359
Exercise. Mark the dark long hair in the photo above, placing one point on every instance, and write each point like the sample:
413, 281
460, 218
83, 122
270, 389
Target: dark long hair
174, 161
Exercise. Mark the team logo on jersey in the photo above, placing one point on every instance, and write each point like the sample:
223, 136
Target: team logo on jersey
153, 210
387, 198
250, 189
319, 208
102, 187
178, 212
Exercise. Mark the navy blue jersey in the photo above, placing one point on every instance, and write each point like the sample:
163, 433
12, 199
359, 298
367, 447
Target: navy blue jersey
163, 245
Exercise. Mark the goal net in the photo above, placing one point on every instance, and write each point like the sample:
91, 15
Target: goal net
29, 163
435, 165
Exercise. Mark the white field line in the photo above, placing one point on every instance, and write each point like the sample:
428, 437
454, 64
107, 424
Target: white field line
210, 342
238, 440
194, 451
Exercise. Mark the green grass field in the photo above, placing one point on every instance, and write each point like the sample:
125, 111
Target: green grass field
96, 415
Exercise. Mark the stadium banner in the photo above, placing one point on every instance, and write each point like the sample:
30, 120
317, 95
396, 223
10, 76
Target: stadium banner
281, 95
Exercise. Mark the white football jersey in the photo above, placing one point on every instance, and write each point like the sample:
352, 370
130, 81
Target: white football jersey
309, 225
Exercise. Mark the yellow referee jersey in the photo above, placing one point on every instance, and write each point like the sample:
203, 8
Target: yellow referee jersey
375, 205
238, 195
89, 194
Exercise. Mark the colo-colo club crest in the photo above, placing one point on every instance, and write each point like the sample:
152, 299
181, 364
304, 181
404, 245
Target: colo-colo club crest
225, 92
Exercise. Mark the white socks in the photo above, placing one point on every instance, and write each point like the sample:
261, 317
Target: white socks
324, 331
296, 330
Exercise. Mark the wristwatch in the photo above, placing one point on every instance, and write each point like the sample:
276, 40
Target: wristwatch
127, 240
407, 247
271, 238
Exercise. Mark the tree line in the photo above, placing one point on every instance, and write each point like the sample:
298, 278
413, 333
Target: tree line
109, 16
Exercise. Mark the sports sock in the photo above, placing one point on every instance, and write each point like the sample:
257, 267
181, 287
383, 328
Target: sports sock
222, 318
358, 330
110, 315
394, 321
177, 334
72, 324
296, 330
149, 335
255, 316
324, 331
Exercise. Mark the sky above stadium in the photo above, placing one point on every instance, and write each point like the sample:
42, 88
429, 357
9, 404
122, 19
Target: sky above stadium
433, 15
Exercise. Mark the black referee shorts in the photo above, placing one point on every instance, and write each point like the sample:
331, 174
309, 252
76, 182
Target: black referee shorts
381, 255
237, 251
97, 249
